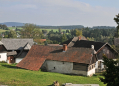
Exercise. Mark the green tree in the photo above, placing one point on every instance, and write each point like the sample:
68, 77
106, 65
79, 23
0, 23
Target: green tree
12, 34
117, 21
111, 75
63, 38
67, 31
90, 39
78, 32
60, 30
30, 31
37, 33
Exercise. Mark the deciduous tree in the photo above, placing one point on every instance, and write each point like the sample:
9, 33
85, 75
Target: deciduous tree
117, 21
63, 38
78, 32
12, 34
30, 31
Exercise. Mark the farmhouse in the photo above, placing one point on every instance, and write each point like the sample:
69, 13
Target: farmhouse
100, 48
3, 52
74, 56
14, 50
60, 59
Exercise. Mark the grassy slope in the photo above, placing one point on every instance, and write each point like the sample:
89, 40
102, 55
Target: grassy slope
40, 29
14, 28
2, 30
12, 76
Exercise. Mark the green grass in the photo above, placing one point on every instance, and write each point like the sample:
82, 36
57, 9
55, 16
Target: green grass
10, 75
2, 30
54, 30
14, 28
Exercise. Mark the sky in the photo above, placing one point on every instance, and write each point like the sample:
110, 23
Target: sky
60, 12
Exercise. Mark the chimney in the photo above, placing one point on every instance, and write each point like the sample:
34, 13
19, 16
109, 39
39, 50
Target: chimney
92, 47
79, 38
64, 47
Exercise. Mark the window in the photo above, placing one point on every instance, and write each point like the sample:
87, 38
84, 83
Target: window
0, 56
79, 66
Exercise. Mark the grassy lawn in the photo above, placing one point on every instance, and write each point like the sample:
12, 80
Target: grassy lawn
2, 30
12, 76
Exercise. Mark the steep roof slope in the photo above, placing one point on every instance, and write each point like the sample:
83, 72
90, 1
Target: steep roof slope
38, 54
1, 43
72, 41
87, 44
16, 44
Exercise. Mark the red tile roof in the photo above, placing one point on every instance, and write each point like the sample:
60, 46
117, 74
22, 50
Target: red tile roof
38, 54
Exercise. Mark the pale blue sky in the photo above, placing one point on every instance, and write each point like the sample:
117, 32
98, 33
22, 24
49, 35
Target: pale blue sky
60, 12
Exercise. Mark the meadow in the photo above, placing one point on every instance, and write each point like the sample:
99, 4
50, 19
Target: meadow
54, 30
1, 30
13, 76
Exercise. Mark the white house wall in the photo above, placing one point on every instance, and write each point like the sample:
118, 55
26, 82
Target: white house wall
64, 67
3, 57
17, 60
96, 65
22, 55
91, 72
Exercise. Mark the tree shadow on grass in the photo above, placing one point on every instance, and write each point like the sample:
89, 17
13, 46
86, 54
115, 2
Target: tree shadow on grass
10, 66
50, 85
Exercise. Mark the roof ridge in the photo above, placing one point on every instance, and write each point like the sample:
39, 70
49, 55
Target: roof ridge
93, 41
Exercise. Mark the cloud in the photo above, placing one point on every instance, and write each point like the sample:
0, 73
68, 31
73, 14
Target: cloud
24, 6
57, 12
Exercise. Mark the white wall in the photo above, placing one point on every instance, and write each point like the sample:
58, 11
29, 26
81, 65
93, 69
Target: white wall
3, 57
17, 60
63, 67
102, 66
91, 72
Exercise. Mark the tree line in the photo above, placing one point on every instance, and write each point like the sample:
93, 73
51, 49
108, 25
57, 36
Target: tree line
33, 31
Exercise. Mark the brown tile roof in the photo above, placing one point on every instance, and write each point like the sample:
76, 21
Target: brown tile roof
38, 54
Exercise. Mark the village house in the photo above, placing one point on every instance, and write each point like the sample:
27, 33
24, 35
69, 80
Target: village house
99, 47
3, 53
14, 50
60, 59
75, 56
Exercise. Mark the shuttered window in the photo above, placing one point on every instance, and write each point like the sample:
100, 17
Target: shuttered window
79, 66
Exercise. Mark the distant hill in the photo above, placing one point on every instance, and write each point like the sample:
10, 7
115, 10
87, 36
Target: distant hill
63, 27
18, 24
9, 24
103, 27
